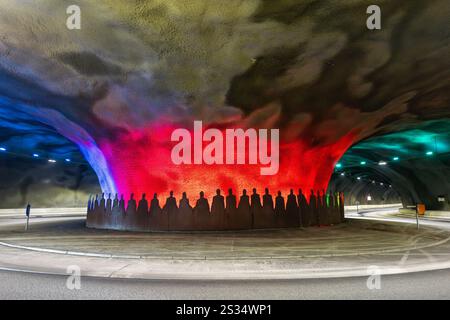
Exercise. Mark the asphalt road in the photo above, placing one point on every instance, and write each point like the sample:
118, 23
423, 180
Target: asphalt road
421, 285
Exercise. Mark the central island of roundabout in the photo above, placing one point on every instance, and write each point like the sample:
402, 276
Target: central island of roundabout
355, 247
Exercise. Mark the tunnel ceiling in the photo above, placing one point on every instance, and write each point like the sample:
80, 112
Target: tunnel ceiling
100, 95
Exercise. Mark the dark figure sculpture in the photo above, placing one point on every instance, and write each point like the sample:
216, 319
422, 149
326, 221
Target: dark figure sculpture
202, 202
267, 199
292, 210
279, 204
143, 206
218, 211
184, 202
202, 213
185, 217
154, 204
157, 219
231, 210
280, 211
268, 218
170, 209
218, 203
116, 201
231, 202
122, 204
244, 214
256, 207
131, 206
303, 209
313, 210
103, 203
116, 214
96, 202
109, 204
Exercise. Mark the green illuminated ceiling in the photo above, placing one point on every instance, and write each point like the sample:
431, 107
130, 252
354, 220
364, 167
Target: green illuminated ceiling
432, 136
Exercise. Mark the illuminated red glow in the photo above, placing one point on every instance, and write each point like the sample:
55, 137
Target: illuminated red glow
140, 162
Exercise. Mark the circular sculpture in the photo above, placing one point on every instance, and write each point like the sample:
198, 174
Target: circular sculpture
225, 213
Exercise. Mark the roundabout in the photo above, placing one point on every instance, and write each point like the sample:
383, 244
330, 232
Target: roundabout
346, 250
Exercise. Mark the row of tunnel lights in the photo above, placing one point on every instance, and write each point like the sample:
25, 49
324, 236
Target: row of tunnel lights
383, 163
380, 163
35, 155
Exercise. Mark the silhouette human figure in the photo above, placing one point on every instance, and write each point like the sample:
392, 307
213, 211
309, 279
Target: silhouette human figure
131, 206
154, 205
267, 199
103, 202
170, 209
184, 217
96, 202
268, 218
218, 204
244, 202
143, 205
184, 202
279, 204
116, 201
230, 202
314, 218
256, 207
303, 209
244, 214
232, 219
202, 213
171, 202
109, 204
202, 203
256, 200
292, 209
218, 220
122, 203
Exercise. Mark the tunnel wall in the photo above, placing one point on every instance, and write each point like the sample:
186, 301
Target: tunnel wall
413, 181
43, 184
